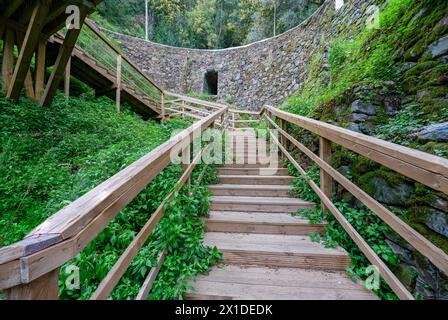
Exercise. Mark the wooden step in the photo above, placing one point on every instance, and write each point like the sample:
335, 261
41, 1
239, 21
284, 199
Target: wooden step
255, 179
250, 190
253, 165
261, 223
273, 250
263, 283
252, 171
259, 204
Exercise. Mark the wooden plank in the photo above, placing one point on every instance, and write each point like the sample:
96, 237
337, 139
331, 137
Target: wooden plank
326, 183
67, 75
10, 274
64, 55
27, 246
40, 69
147, 285
27, 49
43, 288
437, 256
395, 284
28, 82
259, 222
8, 59
118, 85
420, 166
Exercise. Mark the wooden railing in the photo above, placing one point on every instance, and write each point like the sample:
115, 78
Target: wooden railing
125, 73
427, 169
29, 268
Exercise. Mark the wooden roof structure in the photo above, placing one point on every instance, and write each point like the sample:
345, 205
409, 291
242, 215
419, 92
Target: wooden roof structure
28, 25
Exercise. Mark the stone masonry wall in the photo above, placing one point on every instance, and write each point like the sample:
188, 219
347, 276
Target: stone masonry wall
250, 76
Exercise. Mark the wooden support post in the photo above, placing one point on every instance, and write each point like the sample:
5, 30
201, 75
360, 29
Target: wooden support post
118, 84
186, 161
326, 181
67, 79
8, 59
61, 61
162, 106
40, 70
233, 120
183, 109
283, 139
44, 288
28, 82
27, 49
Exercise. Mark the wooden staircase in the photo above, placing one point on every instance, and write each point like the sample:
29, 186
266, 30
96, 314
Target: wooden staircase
267, 253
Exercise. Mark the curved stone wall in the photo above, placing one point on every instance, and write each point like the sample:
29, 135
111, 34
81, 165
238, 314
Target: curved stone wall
249, 76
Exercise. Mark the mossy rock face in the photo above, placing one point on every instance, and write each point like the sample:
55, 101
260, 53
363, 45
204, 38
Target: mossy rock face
419, 68
407, 275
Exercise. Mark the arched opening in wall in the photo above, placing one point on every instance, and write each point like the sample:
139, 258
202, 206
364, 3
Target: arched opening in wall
211, 83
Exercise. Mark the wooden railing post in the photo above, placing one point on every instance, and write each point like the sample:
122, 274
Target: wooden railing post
326, 181
67, 79
8, 59
186, 161
118, 96
162, 106
45, 287
40, 70
183, 109
283, 140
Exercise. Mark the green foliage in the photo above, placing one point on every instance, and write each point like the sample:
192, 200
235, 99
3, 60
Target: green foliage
51, 156
368, 225
204, 23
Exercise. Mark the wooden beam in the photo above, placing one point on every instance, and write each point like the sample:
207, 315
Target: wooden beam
27, 49
67, 79
325, 179
8, 59
40, 69
118, 84
61, 62
43, 288
28, 82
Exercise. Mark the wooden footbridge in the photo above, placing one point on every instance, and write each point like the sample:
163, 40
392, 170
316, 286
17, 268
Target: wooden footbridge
267, 252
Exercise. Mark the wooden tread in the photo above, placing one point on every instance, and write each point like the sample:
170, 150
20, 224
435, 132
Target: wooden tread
259, 204
255, 179
263, 283
270, 190
253, 171
261, 223
276, 251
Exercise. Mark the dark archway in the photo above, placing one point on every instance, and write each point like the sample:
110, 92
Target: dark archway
211, 83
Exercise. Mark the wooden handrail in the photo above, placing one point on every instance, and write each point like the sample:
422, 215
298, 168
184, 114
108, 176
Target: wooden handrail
412, 163
388, 276
62, 236
118, 51
425, 168
424, 246
110, 281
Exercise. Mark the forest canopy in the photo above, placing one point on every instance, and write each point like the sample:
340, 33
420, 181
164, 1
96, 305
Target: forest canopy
204, 24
